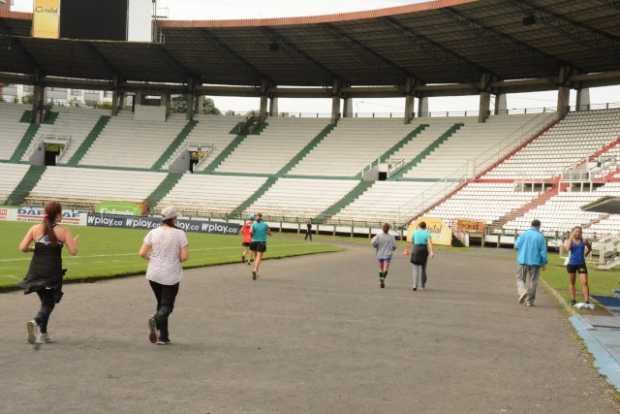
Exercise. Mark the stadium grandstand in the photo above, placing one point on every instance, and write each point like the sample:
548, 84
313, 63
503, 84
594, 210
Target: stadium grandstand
345, 172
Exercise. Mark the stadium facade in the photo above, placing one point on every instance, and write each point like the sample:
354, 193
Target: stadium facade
490, 169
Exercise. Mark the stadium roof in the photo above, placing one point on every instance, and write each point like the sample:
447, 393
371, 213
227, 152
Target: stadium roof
439, 42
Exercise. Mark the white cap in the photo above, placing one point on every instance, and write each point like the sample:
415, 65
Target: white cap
169, 213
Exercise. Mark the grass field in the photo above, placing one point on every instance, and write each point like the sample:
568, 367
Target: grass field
602, 282
106, 253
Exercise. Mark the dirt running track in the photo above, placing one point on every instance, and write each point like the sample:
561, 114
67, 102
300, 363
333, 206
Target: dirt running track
313, 335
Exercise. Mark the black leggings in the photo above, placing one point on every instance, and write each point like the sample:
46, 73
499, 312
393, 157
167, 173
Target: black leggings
48, 299
165, 296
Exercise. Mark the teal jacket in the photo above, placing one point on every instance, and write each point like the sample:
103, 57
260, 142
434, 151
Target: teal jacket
531, 248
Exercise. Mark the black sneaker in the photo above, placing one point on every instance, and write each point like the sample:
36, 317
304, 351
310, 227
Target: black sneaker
242, 259
573, 302
382, 283
152, 331
414, 289
254, 276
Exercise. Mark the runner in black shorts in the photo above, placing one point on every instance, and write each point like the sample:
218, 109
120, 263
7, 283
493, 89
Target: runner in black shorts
578, 249
260, 232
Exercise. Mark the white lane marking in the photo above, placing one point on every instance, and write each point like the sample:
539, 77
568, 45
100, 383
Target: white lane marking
95, 256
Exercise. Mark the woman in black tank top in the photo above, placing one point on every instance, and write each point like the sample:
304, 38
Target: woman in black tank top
45, 273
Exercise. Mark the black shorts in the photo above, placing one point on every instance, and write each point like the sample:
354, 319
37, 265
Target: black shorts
244, 244
260, 247
580, 269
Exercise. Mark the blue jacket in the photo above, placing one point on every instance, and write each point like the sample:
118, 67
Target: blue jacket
531, 248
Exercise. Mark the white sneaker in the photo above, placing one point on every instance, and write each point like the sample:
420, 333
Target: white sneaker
32, 330
579, 305
34, 334
46, 338
522, 298
588, 306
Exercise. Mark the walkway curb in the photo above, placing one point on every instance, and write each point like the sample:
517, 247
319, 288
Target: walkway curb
604, 362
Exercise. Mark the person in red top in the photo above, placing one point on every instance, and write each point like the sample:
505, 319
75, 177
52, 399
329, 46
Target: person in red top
246, 240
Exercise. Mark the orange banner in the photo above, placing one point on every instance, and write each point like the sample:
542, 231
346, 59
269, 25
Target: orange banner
470, 226
46, 19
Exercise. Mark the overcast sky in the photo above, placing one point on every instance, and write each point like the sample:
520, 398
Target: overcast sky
234, 9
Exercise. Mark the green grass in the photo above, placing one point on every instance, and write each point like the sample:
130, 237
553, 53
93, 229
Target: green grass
106, 253
601, 282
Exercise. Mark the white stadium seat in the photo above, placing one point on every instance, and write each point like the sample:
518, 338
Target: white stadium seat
10, 177
94, 185
211, 194
11, 130
268, 152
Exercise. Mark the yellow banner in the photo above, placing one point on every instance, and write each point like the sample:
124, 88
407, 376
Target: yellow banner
46, 19
441, 234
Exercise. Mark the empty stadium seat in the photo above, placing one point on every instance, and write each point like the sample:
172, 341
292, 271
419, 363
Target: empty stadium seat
10, 177
11, 130
86, 185
353, 145
570, 141
268, 152
563, 212
211, 130
72, 123
477, 146
200, 194
393, 201
126, 142
302, 198
482, 202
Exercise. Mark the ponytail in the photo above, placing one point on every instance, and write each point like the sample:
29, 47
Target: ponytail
52, 211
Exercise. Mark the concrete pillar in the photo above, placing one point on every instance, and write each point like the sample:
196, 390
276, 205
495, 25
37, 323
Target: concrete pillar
583, 99
166, 101
563, 100
262, 112
190, 99
116, 102
38, 104
335, 109
409, 100
501, 104
336, 92
347, 110
484, 110
273, 106
423, 107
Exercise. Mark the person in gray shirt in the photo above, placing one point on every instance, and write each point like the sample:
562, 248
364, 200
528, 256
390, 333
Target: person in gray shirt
385, 244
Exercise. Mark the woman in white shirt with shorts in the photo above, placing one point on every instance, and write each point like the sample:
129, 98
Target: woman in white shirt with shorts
165, 248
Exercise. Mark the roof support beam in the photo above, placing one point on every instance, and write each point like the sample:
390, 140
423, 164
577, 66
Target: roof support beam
16, 41
602, 39
187, 72
113, 72
611, 3
475, 24
342, 35
421, 40
568, 78
289, 44
259, 76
